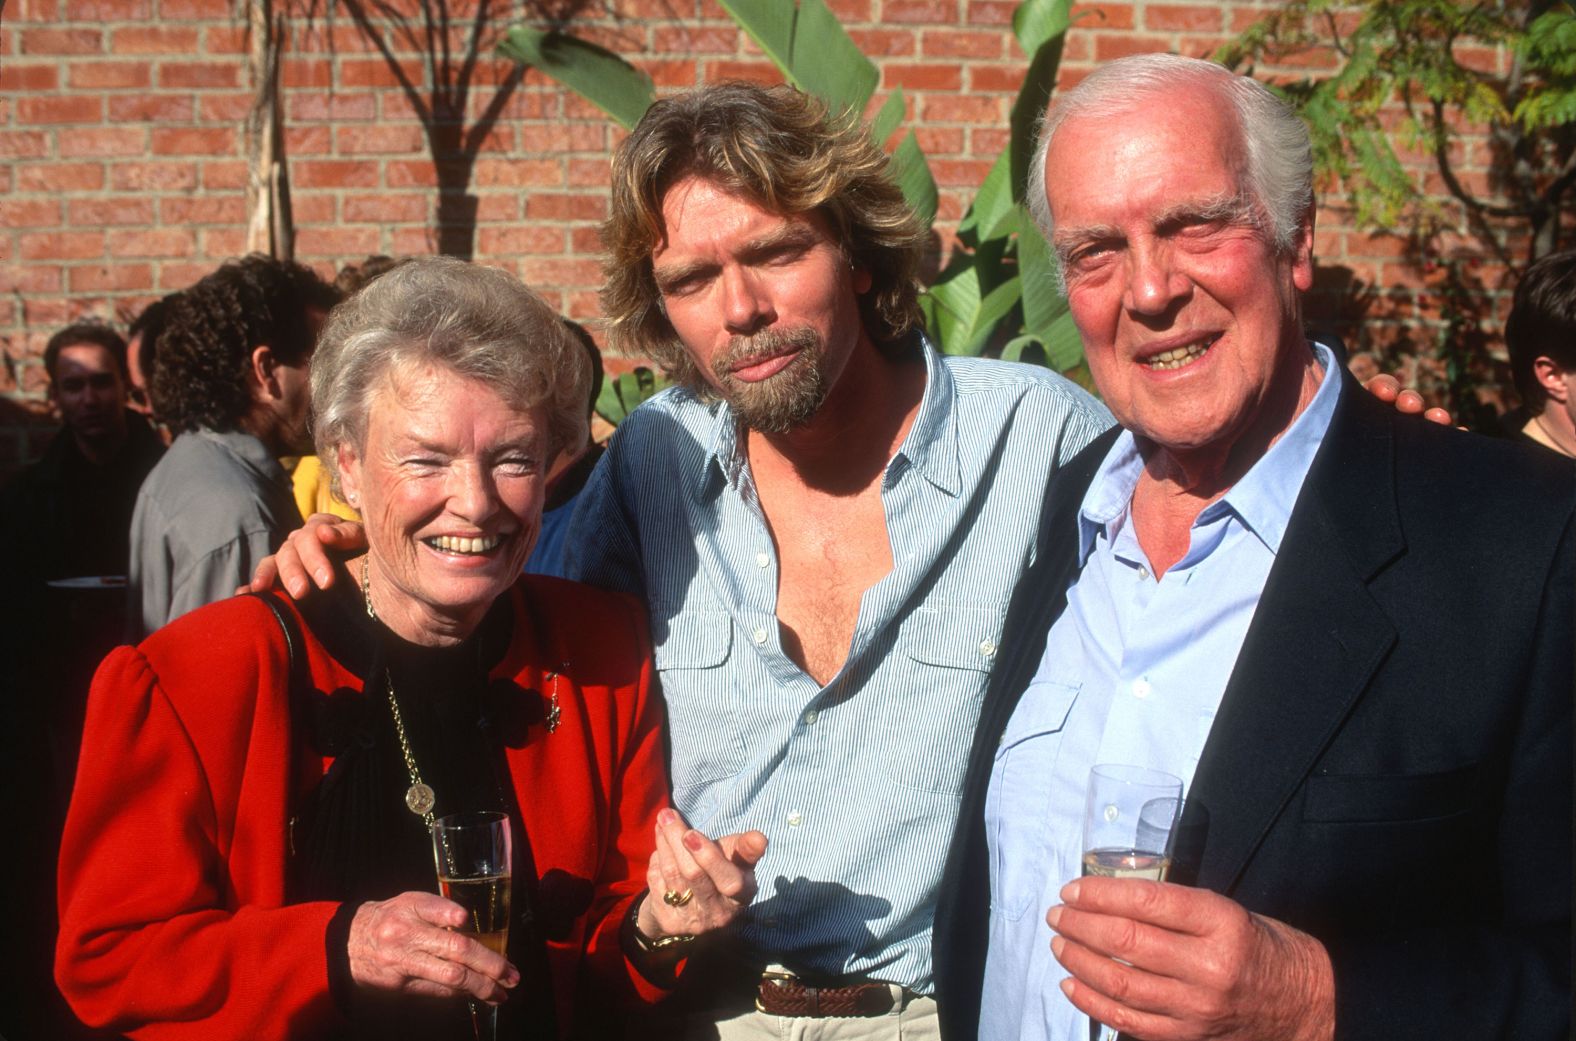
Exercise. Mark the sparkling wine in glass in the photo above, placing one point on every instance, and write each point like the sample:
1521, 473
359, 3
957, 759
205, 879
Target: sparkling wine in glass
1130, 817
474, 861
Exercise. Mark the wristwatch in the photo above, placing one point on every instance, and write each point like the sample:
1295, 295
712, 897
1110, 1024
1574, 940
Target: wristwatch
668, 945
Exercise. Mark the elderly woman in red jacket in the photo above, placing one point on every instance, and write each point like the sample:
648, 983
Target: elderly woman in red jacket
247, 853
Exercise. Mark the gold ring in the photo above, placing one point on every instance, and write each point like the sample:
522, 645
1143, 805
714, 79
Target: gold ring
673, 898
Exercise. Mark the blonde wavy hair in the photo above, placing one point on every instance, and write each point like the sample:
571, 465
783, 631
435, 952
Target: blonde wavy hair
784, 151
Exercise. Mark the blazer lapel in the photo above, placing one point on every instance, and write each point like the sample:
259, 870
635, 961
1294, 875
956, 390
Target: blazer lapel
1315, 641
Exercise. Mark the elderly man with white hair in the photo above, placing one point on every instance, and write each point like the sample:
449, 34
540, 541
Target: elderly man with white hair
1347, 632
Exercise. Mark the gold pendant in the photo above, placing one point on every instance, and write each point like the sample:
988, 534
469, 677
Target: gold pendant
420, 800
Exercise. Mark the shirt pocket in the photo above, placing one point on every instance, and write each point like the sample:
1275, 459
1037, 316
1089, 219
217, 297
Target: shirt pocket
692, 654
1019, 802
930, 726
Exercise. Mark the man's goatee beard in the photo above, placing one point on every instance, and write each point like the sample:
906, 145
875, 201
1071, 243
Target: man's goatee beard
785, 400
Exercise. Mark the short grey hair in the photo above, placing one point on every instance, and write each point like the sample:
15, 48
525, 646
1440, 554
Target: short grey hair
475, 321
1278, 174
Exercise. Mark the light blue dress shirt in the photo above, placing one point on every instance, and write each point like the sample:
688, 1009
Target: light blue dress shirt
1133, 672
856, 783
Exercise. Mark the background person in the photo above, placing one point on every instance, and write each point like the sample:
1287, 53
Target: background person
242, 858
230, 380
1541, 336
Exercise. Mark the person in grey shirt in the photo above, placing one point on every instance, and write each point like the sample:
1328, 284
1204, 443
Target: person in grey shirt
230, 380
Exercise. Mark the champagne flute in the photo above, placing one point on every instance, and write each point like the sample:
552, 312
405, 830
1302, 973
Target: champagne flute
474, 859
1130, 816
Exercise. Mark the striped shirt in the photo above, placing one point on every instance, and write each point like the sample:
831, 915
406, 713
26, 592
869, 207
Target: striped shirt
856, 783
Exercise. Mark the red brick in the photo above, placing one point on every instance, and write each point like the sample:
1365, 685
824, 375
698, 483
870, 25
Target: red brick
1006, 79
312, 208
394, 139
224, 39
305, 141
117, 277
155, 39
884, 43
923, 12
551, 206
29, 77
335, 241
200, 74
153, 242
153, 177
314, 107
522, 239
54, 109
175, 275
223, 108
84, 141
498, 207
195, 10
954, 43
63, 245
559, 271
984, 12
409, 173
59, 177
678, 75
500, 139
1111, 47
848, 11
220, 174
107, 10
204, 209
962, 109
1102, 16
922, 77
196, 140
112, 211
585, 241
394, 208
109, 75
366, 72
150, 108
749, 71
959, 173
333, 173
223, 242
62, 41
589, 173
305, 72
518, 173
695, 40
29, 213
411, 242
939, 140
1169, 18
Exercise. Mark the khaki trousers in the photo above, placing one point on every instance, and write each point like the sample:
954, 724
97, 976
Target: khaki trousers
913, 1020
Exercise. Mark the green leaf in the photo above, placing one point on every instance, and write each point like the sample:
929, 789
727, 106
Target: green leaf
1063, 345
1041, 28
621, 396
1043, 303
1036, 22
912, 174
887, 119
1027, 349
957, 304
811, 48
598, 75
991, 213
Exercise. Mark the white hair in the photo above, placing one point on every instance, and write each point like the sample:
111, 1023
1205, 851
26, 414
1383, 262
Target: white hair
1278, 173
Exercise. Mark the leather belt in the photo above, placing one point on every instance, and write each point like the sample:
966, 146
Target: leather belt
784, 994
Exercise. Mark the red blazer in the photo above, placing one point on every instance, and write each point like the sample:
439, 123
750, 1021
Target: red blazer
173, 921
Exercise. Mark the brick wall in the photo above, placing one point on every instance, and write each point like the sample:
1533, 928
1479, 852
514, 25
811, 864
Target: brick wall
123, 174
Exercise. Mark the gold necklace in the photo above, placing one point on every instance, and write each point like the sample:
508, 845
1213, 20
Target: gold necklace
419, 797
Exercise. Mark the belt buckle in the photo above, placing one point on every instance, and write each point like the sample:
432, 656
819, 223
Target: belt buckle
777, 978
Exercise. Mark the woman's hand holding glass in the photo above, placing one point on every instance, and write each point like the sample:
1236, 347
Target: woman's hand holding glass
408, 945
711, 882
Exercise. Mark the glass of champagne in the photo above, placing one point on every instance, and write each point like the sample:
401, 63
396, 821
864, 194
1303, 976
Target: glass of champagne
1130, 817
474, 859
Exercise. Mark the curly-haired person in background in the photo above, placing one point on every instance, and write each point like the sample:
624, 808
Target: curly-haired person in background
230, 380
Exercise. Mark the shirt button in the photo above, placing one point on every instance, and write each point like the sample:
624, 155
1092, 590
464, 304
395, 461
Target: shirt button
763, 560
795, 819
1143, 572
811, 716
1141, 689
988, 648
759, 635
